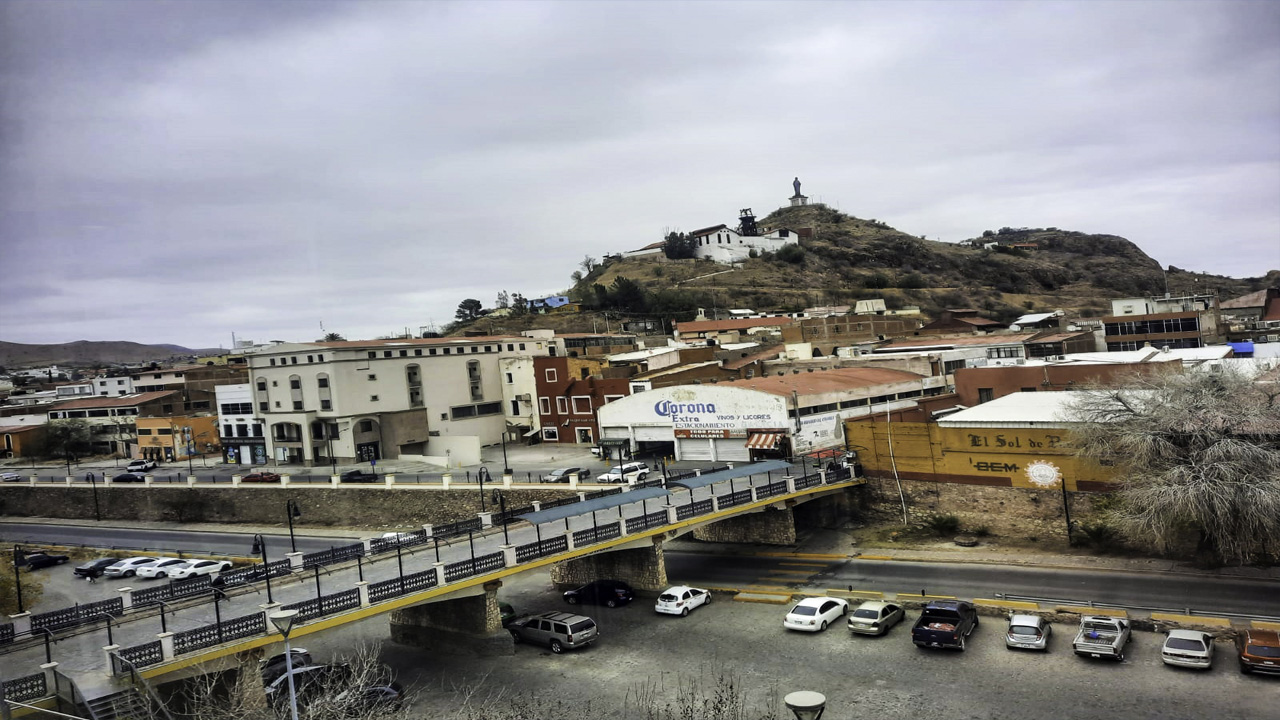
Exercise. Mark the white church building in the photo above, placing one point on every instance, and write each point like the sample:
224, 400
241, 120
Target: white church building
724, 244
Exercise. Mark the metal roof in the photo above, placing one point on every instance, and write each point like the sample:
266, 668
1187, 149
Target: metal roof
1021, 409
587, 506
706, 479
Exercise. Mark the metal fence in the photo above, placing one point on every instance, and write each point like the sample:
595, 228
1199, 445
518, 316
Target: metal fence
210, 635
80, 614
808, 481
6, 633
658, 481
457, 528
467, 568
26, 688
602, 493
326, 604
561, 502
380, 591
176, 589
739, 497
697, 507
596, 534
771, 489
542, 548
253, 573
141, 656
333, 555
672, 477
644, 522
500, 518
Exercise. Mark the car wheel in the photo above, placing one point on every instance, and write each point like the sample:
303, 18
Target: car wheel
1120, 656
556, 647
161, 575
515, 636
129, 573
824, 626
684, 612
961, 643
976, 621
641, 477
611, 603
571, 599
1245, 669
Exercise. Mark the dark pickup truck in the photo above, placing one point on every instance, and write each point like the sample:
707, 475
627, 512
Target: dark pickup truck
945, 624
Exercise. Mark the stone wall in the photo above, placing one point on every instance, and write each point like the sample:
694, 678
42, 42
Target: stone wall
467, 625
1005, 511
771, 527
645, 569
351, 505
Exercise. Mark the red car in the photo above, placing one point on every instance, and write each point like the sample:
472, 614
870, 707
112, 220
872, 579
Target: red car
261, 477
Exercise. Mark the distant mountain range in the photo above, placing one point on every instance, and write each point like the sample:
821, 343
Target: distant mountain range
85, 353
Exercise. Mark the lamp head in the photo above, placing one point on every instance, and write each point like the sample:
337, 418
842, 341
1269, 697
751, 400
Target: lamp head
283, 620
806, 704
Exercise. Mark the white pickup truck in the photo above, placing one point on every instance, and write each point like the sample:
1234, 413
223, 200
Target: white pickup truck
1102, 636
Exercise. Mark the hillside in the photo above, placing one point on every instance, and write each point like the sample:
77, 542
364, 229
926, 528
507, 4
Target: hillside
85, 353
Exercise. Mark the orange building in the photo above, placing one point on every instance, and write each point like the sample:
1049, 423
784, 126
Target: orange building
166, 439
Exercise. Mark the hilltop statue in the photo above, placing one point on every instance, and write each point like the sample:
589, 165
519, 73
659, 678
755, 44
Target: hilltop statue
796, 184
798, 200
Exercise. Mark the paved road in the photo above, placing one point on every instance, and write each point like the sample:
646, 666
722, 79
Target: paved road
1164, 590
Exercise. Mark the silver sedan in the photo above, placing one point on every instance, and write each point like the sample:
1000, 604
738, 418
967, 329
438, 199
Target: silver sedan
875, 618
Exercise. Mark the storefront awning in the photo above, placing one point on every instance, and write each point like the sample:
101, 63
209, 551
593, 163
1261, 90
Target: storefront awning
614, 442
532, 432
764, 440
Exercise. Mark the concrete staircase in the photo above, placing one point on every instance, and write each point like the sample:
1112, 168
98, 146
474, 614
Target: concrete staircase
124, 705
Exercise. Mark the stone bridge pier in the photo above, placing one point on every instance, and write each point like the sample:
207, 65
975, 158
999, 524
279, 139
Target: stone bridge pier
470, 624
773, 526
644, 568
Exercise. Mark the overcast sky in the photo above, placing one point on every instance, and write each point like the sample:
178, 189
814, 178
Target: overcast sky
174, 172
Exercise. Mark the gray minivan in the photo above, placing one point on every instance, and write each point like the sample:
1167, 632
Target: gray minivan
556, 630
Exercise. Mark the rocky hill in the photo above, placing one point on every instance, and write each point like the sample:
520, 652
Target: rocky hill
85, 353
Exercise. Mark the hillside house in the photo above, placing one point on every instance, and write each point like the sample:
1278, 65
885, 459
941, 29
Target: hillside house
723, 244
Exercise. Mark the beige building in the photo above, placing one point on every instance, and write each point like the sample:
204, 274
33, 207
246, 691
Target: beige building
434, 399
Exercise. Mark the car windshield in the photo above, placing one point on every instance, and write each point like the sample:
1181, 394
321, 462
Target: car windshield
1263, 651
667, 597
804, 610
1184, 644
615, 470
860, 613
1023, 630
582, 626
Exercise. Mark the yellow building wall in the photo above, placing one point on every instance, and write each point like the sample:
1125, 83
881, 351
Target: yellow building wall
204, 431
1006, 457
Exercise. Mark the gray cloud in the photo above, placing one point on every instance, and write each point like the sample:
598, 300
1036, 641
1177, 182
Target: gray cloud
258, 167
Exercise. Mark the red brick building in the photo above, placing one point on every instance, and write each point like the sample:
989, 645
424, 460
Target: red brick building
569, 391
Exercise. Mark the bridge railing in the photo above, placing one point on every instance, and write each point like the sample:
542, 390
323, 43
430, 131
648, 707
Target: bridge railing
139, 656
6, 633
26, 688
333, 555
255, 624
602, 493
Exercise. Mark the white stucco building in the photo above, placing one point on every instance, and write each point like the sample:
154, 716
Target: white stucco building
723, 244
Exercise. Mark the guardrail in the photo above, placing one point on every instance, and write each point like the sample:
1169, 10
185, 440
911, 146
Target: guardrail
25, 688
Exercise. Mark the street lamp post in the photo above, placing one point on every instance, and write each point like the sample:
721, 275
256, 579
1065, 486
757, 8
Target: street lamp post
502, 513
110, 638
190, 449
506, 466
19, 559
291, 511
283, 620
97, 513
328, 437
260, 548
483, 474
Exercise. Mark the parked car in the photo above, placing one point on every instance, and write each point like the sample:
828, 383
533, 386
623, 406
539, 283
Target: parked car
875, 618
193, 568
628, 473
273, 668
160, 568
679, 600
261, 477
1188, 648
1030, 632
307, 680
128, 567
610, 593
1102, 636
36, 561
94, 568
357, 476
945, 624
140, 466
128, 477
1258, 650
506, 612
559, 631
815, 614
11, 477
562, 475
366, 700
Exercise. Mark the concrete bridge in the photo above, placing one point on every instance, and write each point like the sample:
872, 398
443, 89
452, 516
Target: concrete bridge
441, 595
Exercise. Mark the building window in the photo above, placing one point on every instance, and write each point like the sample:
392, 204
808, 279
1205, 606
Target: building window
262, 386
144, 431
446, 351
373, 398
386, 353
418, 352
293, 360
1004, 352
610, 398
950, 366
510, 347
551, 375
985, 395
544, 405
310, 358
164, 431
404, 353
550, 434
366, 426
373, 376
431, 351
463, 411
297, 404
515, 407
295, 383
475, 348
510, 378
521, 346
581, 405
226, 430
372, 354
562, 405
322, 382
326, 405
273, 361
319, 358
262, 406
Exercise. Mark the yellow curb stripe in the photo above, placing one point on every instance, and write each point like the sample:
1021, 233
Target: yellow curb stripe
805, 573
874, 557
811, 556
1008, 604
1086, 610
911, 595
855, 594
803, 564
763, 599
1191, 619
1265, 625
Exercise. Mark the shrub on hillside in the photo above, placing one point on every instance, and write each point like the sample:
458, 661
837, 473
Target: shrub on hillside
792, 253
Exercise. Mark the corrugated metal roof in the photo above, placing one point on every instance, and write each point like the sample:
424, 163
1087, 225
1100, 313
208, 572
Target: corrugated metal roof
595, 504
734, 324
966, 340
113, 400
1024, 409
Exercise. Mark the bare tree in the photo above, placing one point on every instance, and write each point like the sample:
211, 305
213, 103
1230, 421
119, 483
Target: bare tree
1195, 452
588, 264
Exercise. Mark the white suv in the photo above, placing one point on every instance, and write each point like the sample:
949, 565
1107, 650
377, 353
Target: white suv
141, 466
630, 473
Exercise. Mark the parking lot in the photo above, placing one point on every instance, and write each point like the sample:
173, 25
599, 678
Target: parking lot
642, 653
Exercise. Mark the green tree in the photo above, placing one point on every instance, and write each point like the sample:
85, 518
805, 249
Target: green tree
791, 253
680, 246
1195, 454
468, 309
333, 337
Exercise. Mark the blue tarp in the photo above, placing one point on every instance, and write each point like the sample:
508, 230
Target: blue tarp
586, 507
741, 471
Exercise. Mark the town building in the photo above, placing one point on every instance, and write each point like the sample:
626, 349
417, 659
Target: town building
960, 320
437, 400
729, 331
1187, 321
977, 385
176, 438
765, 416
21, 439
821, 335
113, 419
570, 390
240, 433
723, 244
